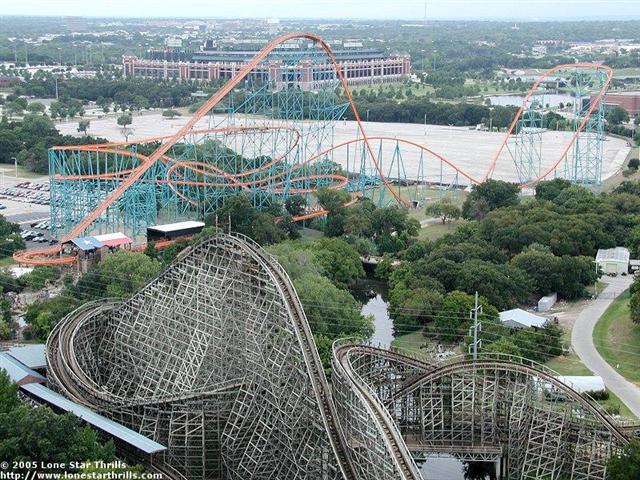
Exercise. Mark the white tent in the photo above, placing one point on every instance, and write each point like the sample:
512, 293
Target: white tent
518, 318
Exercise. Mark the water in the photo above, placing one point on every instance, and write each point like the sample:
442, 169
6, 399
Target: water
373, 295
553, 99
442, 468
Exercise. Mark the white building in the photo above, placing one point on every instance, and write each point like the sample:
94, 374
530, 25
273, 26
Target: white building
518, 318
613, 261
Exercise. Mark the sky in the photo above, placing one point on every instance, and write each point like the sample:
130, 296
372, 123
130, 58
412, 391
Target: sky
332, 9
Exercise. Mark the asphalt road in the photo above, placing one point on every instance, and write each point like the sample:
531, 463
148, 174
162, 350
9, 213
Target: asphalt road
582, 342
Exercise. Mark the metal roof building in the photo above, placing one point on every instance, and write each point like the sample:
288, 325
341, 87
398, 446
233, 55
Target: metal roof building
613, 260
18, 372
102, 423
32, 356
518, 318
113, 239
86, 243
174, 230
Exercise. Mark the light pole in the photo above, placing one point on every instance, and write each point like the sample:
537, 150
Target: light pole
15, 163
491, 119
367, 114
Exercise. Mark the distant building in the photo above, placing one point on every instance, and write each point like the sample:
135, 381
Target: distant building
518, 318
309, 70
630, 101
613, 261
584, 383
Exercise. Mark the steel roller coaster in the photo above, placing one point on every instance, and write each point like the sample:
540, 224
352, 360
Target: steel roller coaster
284, 146
216, 361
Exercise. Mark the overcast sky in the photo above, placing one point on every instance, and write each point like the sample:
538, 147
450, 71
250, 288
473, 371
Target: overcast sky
373, 9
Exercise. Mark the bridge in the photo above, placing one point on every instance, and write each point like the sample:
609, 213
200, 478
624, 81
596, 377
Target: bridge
215, 359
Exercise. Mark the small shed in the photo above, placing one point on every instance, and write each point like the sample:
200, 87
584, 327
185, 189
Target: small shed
174, 230
86, 245
547, 302
613, 261
112, 241
518, 318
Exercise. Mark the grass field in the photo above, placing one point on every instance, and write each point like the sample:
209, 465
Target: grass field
617, 339
410, 344
437, 230
6, 262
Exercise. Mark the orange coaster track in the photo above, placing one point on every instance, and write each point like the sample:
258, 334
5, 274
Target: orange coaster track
53, 255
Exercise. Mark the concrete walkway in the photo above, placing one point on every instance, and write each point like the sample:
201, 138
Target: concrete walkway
582, 342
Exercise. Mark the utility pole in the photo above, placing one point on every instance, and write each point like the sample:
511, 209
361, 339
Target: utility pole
477, 327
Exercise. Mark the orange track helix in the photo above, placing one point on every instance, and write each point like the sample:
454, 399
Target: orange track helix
52, 255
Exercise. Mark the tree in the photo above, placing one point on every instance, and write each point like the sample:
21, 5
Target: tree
41, 316
36, 107
38, 434
83, 125
124, 272
339, 261
170, 113
487, 196
452, 321
39, 276
124, 121
634, 307
626, 465
444, 209
617, 115
295, 205
550, 189
331, 311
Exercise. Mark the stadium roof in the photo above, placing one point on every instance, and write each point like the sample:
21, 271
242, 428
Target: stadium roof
86, 243
172, 227
32, 356
102, 423
113, 239
519, 318
18, 372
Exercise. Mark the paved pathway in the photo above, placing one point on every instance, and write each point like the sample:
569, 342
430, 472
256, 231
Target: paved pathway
582, 342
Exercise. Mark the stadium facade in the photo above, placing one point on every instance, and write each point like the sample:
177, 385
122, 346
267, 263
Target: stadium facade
284, 67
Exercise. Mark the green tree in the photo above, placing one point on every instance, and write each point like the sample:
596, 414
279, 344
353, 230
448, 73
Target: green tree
124, 272
41, 316
170, 113
339, 261
634, 307
83, 125
626, 465
39, 276
331, 311
550, 189
295, 205
487, 196
617, 115
452, 320
36, 107
443, 209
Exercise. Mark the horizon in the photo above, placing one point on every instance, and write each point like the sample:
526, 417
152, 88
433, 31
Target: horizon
332, 10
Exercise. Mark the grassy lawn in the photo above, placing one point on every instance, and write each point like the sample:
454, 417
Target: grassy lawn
6, 262
617, 339
436, 230
410, 344
568, 365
